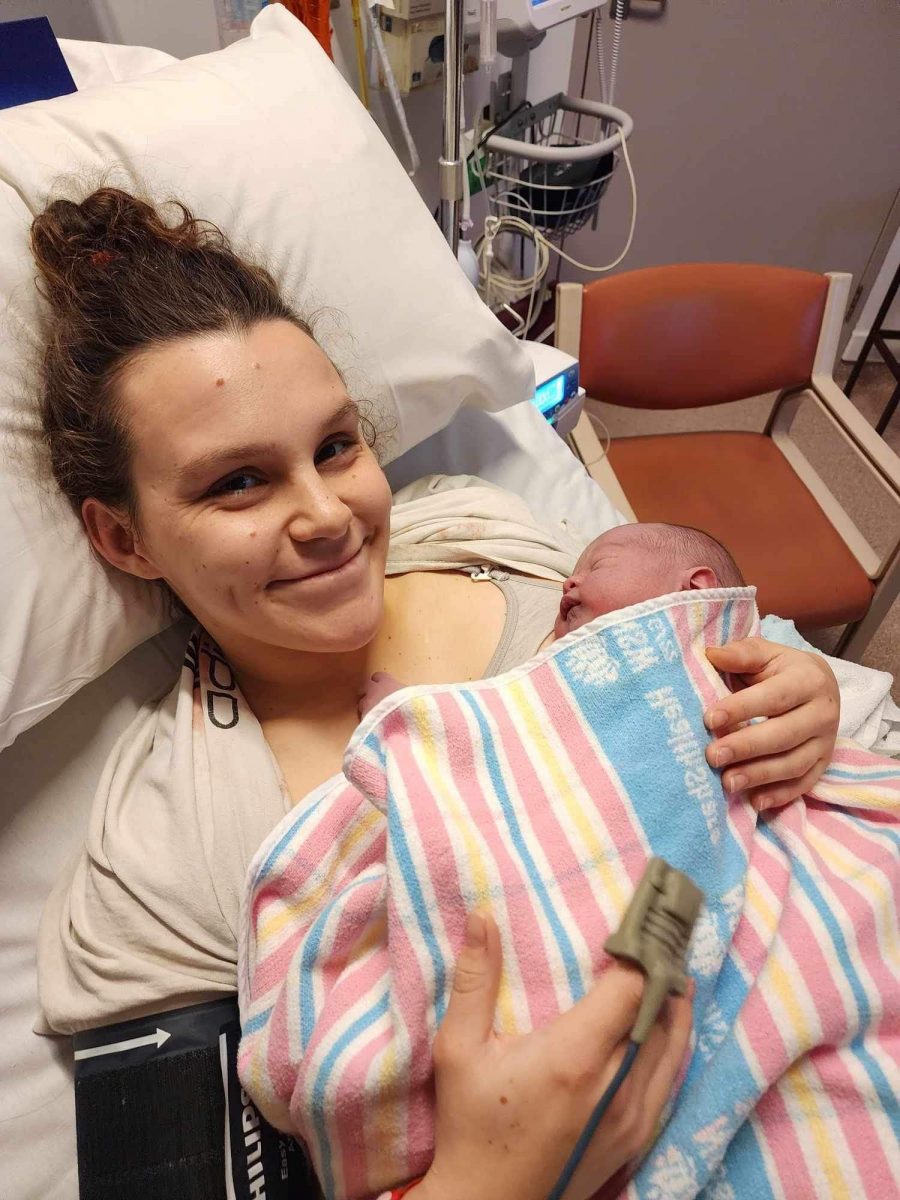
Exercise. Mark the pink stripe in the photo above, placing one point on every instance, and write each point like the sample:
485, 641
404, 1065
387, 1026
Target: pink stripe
851, 756
868, 847
705, 690
270, 971
762, 1032
266, 971
354, 1112
316, 844
337, 987
410, 989
859, 919
809, 945
860, 1131
524, 926
774, 1125
275, 1047
587, 758
772, 869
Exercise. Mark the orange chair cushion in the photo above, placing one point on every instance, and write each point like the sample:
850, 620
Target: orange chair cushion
740, 488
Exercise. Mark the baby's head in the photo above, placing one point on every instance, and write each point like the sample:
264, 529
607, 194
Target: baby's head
639, 562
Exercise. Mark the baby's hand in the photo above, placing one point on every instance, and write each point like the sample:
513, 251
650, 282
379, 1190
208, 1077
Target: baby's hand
380, 685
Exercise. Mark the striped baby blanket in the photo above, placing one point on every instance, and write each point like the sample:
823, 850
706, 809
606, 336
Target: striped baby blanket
543, 793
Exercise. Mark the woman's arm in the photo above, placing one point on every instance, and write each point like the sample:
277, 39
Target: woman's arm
781, 758
510, 1109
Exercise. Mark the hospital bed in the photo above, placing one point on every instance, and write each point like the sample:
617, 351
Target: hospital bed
292, 141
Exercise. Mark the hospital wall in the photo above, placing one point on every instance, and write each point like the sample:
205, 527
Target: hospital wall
180, 27
764, 131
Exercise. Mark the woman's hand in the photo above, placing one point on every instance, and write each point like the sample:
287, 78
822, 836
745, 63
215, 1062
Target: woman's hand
510, 1109
781, 758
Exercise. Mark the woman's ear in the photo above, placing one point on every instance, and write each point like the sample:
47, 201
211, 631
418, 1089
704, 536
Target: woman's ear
113, 537
700, 577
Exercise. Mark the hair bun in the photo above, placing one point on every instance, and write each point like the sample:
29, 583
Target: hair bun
73, 243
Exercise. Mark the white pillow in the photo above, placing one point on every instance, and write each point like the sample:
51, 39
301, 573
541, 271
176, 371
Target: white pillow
267, 140
92, 64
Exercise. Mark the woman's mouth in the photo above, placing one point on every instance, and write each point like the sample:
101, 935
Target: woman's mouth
344, 571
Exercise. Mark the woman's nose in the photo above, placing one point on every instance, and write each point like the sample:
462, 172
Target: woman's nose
318, 513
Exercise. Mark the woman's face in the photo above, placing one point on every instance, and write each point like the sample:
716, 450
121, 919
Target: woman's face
259, 501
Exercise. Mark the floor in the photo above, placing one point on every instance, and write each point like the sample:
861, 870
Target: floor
873, 511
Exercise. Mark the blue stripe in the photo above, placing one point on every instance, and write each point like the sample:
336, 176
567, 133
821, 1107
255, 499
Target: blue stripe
363, 1022
716, 1095
285, 838
400, 848
744, 1168
888, 1097
254, 1024
310, 955
881, 832
570, 961
886, 1094
373, 745
863, 775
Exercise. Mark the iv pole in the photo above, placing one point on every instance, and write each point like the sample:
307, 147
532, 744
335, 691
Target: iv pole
451, 167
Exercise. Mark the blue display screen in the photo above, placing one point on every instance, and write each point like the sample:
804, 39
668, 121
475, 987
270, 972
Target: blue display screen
551, 393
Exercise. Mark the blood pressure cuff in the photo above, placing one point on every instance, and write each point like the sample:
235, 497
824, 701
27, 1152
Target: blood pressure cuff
160, 1115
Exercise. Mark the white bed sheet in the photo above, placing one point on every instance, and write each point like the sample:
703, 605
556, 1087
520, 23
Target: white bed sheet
47, 780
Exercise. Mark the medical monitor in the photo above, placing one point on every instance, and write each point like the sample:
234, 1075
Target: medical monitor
521, 24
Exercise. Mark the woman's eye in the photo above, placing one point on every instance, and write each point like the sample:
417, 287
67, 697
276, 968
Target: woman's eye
335, 448
235, 485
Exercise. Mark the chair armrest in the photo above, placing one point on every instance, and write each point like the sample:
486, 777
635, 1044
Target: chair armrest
859, 436
870, 444
584, 441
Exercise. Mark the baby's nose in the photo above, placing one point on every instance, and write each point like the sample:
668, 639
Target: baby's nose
568, 585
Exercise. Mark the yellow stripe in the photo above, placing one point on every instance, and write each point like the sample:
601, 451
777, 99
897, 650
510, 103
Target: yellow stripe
466, 828
846, 867
598, 853
847, 794
374, 936
785, 984
756, 903
815, 1124
290, 910
383, 1126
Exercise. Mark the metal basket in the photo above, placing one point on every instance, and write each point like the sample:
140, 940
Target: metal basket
550, 163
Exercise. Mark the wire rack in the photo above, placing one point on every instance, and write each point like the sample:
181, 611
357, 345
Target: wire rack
551, 163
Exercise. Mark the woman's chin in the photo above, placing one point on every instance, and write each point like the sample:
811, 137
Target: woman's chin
346, 628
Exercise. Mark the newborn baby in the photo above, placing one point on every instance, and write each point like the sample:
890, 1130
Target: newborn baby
621, 567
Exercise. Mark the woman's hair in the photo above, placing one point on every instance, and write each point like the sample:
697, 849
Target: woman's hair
121, 279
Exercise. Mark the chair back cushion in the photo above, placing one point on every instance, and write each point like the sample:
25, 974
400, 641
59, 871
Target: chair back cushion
695, 334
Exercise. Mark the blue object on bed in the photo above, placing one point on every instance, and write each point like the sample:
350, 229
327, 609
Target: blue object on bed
31, 64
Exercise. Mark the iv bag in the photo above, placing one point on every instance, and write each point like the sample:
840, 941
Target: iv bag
234, 17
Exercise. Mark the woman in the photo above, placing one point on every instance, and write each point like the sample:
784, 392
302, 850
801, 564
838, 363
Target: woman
208, 443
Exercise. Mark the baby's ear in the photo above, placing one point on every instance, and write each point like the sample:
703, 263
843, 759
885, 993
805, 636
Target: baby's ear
700, 577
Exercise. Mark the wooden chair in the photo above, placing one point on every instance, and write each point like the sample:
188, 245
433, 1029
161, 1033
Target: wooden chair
695, 335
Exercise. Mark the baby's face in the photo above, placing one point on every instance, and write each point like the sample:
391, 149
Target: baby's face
616, 569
